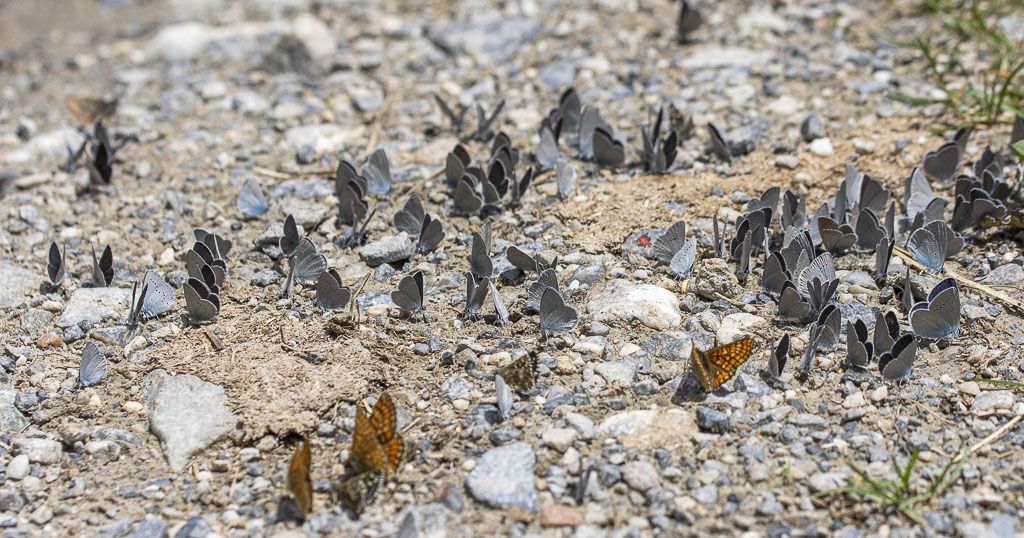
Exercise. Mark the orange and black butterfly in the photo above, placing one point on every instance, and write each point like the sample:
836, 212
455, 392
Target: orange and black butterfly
718, 364
87, 110
299, 483
359, 491
376, 444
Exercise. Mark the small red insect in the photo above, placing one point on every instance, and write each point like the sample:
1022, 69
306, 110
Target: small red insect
643, 240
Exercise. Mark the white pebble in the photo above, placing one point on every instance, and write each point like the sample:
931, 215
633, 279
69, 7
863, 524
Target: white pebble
822, 147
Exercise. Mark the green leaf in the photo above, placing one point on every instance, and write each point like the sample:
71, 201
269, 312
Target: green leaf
1018, 148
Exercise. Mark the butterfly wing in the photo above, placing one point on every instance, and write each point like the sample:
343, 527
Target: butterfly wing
299, 482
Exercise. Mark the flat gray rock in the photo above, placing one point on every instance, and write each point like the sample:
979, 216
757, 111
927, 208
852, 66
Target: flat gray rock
491, 36
10, 417
504, 477
95, 305
186, 413
19, 284
390, 249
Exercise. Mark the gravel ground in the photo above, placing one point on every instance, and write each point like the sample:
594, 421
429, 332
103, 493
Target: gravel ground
192, 430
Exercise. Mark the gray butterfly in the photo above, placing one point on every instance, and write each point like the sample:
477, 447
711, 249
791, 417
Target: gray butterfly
409, 295
565, 177
465, 199
682, 262
135, 307
94, 366
883, 255
307, 263
869, 231
835, 238
718, 238
942, 163
777, 360
811, 350
830, 320
504, 395
887, 330
896, 363
821, 268
476, 294
774, 274
535, 291
858, 348
719, 146
159, 296
219, 247
413, 220
547, 152
377, 173
500, 310
590, 120
918, 196
518, 188
961, 137
689, 20
483, 131
455, 164
56, 267
526, 263
872, 195
352, 208
555, 316
455, 119
200, 256
251, 202
608, 152
908, 295
658, 155
569, 108
928, 246
103, 268
202, 304
480, 258
794, 211
290, 239
669, 243
939, 317
769, 199
331, 294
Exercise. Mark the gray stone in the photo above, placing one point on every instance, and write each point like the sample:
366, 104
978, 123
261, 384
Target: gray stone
672, 345
18, 467
769, 506
186, 413
150, 528
713, 277
751, 386
557, 75
706, 495
490, 36
503, 477
990, 401
582, 424
103, 450
712, 420
44, 451
95, 305
35, 320
103, 432
196, 527
652, 306
424, 521
1010, 274
640, 475
10, 417
19, 285
26, 401
589, 274
621, 372
455, 387
390, 249
787, 162
851, 312
812, 128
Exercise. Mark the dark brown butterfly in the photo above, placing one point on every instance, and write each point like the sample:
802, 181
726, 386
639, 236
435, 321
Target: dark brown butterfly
359, 491
521, 373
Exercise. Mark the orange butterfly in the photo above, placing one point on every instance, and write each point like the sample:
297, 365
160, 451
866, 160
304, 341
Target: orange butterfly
718, 364
299, 483
88, 110
376, 444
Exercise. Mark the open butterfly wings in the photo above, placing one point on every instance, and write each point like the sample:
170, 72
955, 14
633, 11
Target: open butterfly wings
718, 365
376, 443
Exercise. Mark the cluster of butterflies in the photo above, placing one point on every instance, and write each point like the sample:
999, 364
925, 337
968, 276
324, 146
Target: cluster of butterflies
477, 188
377, 452
206, 265
102, 267
97, 146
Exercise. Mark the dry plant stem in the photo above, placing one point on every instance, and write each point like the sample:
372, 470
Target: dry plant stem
1004, 298
292, 175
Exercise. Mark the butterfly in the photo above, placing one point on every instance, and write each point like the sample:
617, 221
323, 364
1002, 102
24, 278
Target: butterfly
896, 363
777, 360
358, 492
331, 294
413, 220
658, 155
555, 316
504, 397
484, 120
456, 164
535, 291
88, 109
289, 239
376, 444
526, 263
939, 316
521, 373
299, 482
202, 303
159, 297
858, 349
102, 268
455, 119
689, 20
250, 202
480, 254
718, 364
476, 294
135, 307
409, 295
719, 146
565, 178
377, 172
56, 264
94, 366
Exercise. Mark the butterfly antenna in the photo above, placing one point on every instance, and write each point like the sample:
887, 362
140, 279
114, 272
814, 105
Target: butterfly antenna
352, 305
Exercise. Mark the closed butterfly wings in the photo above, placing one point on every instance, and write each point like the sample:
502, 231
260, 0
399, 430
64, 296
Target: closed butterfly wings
93, 367
718, 365
299, 482
939, 316
521, 373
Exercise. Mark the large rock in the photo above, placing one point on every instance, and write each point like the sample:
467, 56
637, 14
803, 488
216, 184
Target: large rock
10, 417
186, 413
652, 306
647, 429
491, 36
95, 305
738, 325
390, 249
18, 285
504, 477
713, 277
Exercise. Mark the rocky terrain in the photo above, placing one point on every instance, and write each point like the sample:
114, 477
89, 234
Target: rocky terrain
192, 429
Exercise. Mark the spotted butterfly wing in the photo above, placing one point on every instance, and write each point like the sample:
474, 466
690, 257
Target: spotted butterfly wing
719, 364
